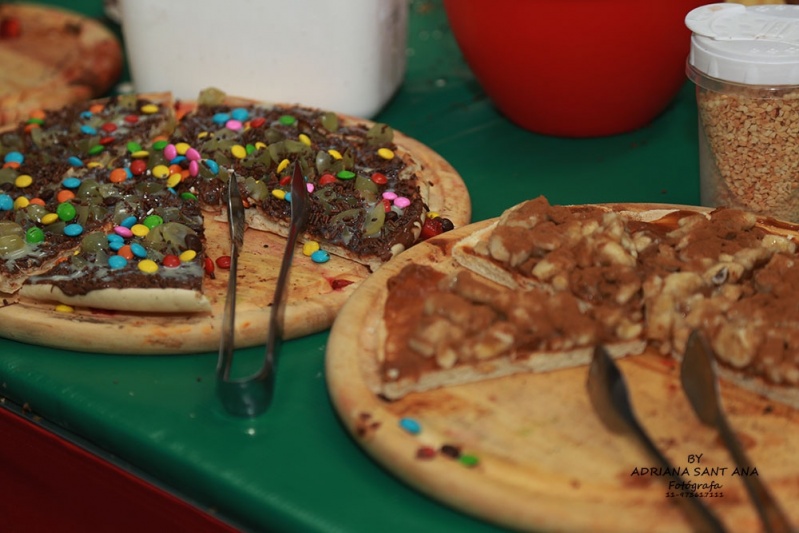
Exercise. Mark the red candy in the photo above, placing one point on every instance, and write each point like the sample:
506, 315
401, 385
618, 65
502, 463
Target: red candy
208, 266
223, 262
10, 28
326, 179
171, 261
379, 178
132, 119
431, 228
109, 127
138, 167
106, 140
387, 204
257, 121
285, 180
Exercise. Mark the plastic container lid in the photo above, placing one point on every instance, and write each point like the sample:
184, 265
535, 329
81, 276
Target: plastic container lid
753, 45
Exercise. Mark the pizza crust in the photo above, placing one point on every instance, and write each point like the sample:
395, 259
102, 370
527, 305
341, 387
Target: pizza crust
132, 299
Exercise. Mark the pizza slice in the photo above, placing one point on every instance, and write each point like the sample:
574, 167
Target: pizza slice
63, 174
536, 289
368, 201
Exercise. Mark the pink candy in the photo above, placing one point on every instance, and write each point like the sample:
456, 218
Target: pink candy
402, 202
194, 167
122, 231
389, 195
233, 124
170, 152
193, 155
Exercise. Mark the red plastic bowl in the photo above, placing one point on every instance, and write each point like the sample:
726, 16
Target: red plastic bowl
575, 68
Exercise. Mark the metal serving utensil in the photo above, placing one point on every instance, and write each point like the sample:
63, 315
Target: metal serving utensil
252, 395
610, 398
698, 377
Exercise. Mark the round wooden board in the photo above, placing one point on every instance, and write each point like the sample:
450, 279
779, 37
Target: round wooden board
546, 463
58, 57
311, 306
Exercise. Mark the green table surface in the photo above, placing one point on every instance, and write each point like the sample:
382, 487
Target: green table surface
296, 468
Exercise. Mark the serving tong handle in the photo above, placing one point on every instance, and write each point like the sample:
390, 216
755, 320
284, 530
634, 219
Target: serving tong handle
698, 378
251, 396
607, 390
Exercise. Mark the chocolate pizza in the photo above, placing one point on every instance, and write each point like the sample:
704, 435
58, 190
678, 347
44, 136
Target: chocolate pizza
106, 204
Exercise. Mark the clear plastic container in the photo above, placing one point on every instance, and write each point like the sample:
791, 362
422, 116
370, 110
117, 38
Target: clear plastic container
745, 64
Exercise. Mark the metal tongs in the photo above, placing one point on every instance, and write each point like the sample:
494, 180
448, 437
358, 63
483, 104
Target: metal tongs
608, 392
252, 395
698, 377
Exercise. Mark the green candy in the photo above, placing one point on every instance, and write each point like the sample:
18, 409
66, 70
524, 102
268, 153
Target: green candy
34, 235
153, 221
287, 120
66, 211
133, 147
345, 175
159, 145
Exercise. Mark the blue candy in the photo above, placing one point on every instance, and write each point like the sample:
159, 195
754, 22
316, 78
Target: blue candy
71, 183
88, 130
75, 161
73, 230
221, 118
14, 157
320, 256
410, 425
240, 114
138, 250
212, 166
117, 261
128, 222
6, 203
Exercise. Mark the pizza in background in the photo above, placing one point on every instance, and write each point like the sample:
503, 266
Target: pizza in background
52, 57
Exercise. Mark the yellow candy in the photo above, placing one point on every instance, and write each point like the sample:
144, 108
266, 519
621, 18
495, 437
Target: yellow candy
93, 164
149, 109
21, 203
335, 154
23, 180
49, 218
188, 255
173, 180
279, 193
140, 230
161, 171
148, 266
238, 151
309, 248
260, 145
433, 214
304, 139
282, 166
63, 308
182, 148
202, 135
385, 153
140, 154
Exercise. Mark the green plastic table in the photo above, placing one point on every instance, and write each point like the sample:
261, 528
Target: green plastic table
295, 468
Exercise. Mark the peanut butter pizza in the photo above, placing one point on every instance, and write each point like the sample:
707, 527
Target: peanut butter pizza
538, 288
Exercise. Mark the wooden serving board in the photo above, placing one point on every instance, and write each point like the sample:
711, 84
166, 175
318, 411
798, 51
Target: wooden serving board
52, 57
316, 291
544, 460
